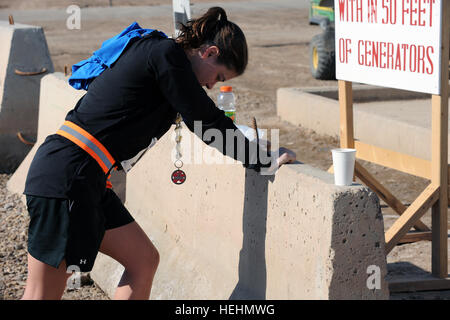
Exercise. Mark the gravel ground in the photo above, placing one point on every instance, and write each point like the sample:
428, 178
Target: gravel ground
14, 221
13, 253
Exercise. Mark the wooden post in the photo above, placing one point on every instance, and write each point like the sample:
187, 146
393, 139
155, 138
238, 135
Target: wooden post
439, 156
346, 114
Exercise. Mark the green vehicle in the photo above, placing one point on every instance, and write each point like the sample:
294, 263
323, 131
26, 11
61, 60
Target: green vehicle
321, 49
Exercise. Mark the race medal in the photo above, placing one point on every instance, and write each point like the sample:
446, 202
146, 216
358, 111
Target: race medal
178, 176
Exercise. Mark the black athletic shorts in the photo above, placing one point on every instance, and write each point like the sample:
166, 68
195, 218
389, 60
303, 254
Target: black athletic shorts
73, 228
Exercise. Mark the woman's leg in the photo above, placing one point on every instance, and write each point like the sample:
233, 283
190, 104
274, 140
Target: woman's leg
130, 246
45, 282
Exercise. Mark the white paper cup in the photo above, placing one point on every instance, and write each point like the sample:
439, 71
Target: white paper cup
343, 165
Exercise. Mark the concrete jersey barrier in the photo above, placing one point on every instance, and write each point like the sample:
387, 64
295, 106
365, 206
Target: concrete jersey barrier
230, 233
24, 60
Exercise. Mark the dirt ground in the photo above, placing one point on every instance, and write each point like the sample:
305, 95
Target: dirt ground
278, 58
47, 4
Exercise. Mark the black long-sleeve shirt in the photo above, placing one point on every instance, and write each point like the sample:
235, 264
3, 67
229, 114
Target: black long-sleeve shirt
128, 105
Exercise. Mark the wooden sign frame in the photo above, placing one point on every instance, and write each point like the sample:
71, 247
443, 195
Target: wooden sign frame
435, 195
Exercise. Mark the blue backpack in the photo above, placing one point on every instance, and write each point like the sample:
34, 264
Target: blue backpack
85, 71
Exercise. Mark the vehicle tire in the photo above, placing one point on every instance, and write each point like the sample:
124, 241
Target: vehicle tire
322, 56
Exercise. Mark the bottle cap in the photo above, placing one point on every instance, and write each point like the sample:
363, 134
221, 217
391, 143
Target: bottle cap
226, 89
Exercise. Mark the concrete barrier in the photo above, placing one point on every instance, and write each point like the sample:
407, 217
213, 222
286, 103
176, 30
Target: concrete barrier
393, 119
23, 52
230, 233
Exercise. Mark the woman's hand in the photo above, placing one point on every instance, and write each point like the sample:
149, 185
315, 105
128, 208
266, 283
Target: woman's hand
286, 156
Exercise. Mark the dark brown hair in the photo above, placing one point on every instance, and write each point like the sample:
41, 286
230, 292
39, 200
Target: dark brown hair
213, 28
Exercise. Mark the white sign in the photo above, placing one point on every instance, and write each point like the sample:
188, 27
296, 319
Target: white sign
181, 13
389, 43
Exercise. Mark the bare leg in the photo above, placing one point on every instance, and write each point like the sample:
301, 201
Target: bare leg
45, 282
130, 246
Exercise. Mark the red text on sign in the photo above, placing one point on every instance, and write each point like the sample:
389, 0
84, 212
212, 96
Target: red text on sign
390, 11
399, 57
344, 50
417, 12
351, 10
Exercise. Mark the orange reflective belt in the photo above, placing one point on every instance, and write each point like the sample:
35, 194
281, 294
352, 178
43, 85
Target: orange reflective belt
88, 143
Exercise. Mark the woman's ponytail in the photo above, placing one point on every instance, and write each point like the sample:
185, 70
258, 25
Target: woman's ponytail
213, 28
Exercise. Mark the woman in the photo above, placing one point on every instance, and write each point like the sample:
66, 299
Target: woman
73, 214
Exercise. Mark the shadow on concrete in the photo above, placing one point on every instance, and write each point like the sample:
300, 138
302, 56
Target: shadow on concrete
357, 244
406, 271
252, 260
119, 182
277, 45
19, 108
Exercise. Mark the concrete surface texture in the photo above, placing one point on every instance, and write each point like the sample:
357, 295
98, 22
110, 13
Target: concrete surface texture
56, 99
388, 118
231, 233
24, 49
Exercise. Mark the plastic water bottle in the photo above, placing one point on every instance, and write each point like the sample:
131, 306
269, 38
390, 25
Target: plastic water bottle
226, 102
